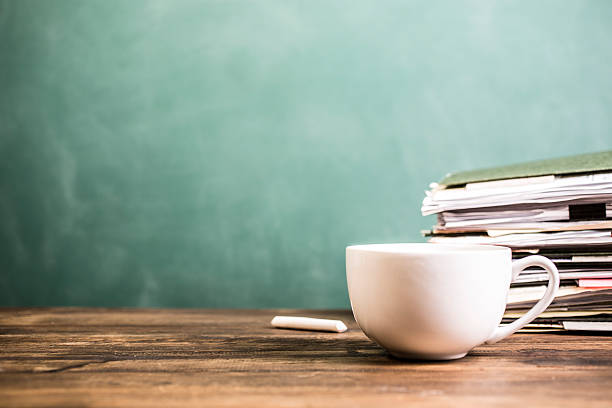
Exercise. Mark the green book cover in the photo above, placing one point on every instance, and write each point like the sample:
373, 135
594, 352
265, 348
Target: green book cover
583, 163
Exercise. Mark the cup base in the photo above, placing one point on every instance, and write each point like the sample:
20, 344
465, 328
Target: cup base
430, 357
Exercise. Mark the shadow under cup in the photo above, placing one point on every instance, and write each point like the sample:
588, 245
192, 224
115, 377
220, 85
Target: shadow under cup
428, 301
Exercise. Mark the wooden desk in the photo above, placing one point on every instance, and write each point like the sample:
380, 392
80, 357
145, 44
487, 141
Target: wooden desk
143, 357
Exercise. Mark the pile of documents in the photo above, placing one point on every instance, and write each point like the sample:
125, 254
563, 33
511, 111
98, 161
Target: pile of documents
561, 209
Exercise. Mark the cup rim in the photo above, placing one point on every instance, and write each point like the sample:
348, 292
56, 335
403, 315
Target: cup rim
426, 248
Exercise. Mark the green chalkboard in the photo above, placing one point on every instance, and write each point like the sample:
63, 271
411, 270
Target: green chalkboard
223, 153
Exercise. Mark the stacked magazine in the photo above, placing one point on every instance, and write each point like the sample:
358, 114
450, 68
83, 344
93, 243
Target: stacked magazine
561, 209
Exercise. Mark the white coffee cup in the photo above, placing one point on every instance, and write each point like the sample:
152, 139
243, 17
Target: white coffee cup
436, 301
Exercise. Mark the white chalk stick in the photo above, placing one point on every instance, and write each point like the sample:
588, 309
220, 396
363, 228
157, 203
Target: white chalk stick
308, 323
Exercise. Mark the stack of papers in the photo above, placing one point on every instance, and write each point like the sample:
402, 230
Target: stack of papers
561, 209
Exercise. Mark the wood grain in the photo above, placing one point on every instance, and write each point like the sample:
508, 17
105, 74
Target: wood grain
74, 357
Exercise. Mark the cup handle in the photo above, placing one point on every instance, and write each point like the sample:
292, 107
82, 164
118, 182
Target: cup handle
553, 284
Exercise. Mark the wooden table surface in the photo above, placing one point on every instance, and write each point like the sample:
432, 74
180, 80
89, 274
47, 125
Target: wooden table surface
73, 357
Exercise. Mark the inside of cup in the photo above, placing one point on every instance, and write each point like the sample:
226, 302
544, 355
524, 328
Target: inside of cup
421, 248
